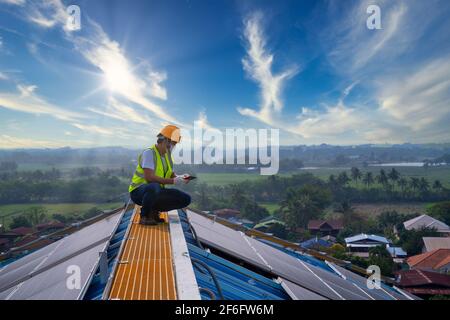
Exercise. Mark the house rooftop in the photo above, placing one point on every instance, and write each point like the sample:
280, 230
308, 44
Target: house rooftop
21, 231
396, 251
425, 221
424, 282
318, 224
434, 243
430, 260
365, 237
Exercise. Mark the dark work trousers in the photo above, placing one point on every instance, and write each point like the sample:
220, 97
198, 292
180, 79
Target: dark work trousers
154, 198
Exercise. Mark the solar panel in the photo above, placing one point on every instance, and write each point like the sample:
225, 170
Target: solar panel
303, 273
321, 282
80, 248
228, 240
51, 284
361, 282
298, 293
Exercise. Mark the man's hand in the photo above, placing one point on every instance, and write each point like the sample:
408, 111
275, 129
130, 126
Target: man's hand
181, 179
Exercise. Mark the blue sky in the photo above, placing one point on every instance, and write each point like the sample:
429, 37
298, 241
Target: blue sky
310, 68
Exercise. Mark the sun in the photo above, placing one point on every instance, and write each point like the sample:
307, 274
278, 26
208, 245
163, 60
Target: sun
117, 74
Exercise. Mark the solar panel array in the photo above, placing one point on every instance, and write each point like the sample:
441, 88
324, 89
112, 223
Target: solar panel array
296, 273
298, 293
45, 274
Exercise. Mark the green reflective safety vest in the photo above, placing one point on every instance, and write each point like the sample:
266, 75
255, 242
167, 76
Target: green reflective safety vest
138, 176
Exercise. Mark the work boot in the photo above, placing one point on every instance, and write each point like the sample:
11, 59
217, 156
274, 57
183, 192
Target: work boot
155, 216
148, 221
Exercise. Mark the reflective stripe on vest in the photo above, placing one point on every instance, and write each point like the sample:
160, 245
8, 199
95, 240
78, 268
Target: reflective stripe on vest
138, 176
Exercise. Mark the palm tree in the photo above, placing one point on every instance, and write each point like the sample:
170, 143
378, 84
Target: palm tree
368, 179
394, 175
382, 178
237, 195
403, 183
36, 215
355, 174
424, 186
203, 196
414, 183
297, 209
437, 185
343, 178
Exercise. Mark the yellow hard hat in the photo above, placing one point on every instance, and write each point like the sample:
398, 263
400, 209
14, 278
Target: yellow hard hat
171, 132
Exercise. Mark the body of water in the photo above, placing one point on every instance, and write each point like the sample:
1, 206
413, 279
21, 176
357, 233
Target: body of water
398, 164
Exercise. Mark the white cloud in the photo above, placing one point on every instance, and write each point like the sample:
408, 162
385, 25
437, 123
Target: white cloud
14, 2
420, 98
120, 111
258, 65
203, 122
26, 100
156, 90
47, 14
334, 121
3, 76
26, 91
112, 135
9, 142
93, 129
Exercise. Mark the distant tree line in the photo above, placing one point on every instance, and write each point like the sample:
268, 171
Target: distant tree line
101, 188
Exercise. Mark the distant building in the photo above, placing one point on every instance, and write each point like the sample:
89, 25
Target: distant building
316, 243
266, 223
423, 283
244, 222
50, 226
434, 243
425, 221
437, 260
329, 239
227, 213
325, 227
21, 231
360, 244
397, 253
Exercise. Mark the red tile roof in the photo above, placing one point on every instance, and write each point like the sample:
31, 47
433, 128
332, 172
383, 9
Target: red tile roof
51, 224
419, 291
422, 278
25, 240
430, 260
226, 212
22, 231
317, 224
443, 262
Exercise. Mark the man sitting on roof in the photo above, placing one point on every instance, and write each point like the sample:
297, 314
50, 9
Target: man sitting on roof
153, 172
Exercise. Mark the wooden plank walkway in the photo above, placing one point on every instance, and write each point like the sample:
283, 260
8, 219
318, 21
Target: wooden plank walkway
145, 270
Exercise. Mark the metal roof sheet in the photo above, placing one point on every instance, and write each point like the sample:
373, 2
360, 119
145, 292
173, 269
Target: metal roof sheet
275, 261
43, 273
363, 236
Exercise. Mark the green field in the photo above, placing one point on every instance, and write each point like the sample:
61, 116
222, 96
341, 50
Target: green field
219, 179
271, 207
63, 167
10, 210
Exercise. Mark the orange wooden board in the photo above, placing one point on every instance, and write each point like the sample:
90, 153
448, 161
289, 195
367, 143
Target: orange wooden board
145, 270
